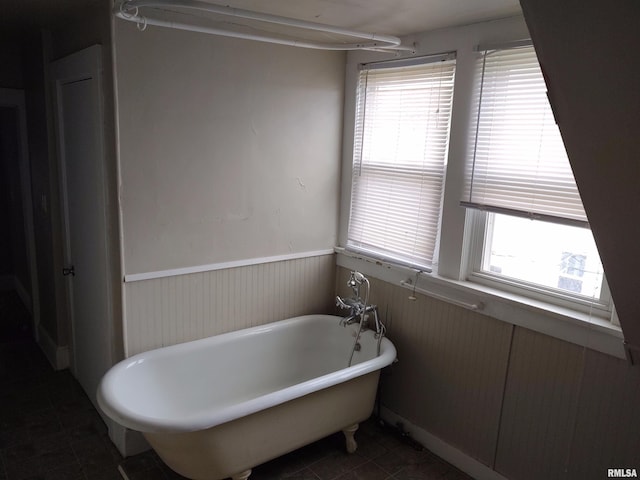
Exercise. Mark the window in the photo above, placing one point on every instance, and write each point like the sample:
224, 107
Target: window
544, 257
531, 231
526, 235
401, 139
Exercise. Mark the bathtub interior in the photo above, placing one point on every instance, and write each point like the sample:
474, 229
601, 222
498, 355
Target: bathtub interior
214, 373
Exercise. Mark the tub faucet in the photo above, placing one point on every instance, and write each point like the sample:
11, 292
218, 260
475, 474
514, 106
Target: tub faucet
350, 303
358, 309
356, 315
354, 306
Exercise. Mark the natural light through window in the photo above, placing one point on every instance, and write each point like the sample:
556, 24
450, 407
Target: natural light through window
558, 257
531, 232
523, 235
401, 138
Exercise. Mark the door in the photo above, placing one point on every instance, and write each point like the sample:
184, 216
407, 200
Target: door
79, 127
26, 272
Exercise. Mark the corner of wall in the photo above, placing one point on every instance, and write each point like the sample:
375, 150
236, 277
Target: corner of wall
456, 457
57, 355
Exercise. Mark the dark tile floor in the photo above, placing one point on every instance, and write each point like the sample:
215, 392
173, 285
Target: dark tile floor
382, 455
49, 430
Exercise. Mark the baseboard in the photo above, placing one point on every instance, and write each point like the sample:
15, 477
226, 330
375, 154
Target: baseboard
122, 473
58, 356
459, 459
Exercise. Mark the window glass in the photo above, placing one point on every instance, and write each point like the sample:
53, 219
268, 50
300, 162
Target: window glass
535, 234
559, 257
400, 149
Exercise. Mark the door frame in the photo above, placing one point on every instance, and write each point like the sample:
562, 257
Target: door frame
82, 65
14, 98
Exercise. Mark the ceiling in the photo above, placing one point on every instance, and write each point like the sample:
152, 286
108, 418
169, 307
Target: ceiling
394, 17
24, 15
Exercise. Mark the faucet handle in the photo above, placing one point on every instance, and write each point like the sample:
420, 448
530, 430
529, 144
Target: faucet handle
341, 303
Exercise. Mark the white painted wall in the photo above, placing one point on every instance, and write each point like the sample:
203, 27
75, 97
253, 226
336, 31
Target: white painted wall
229, 149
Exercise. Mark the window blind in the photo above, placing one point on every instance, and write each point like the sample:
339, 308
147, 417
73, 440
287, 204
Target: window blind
519, 165
400, 150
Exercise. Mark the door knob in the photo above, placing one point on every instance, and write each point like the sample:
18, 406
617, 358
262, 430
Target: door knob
69, 271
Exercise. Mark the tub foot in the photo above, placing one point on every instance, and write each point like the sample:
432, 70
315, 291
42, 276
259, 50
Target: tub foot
349, 432
242, 475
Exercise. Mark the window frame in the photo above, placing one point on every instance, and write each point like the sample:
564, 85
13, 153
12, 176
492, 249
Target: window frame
476, 228
477, 231
451, 263
422, 174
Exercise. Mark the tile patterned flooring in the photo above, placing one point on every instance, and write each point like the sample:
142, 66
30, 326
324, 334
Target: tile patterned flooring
49, 430
381, 455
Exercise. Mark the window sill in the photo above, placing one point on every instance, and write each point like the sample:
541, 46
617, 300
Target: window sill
563, 323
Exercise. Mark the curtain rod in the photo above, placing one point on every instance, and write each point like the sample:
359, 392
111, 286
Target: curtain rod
525, 42
408, 62
130, 10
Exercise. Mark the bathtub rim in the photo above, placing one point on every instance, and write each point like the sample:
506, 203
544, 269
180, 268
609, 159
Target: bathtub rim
207, 418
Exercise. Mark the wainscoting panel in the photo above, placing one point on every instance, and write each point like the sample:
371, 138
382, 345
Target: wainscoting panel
169, 310
608, 424
526, 405
451, 370
540, 406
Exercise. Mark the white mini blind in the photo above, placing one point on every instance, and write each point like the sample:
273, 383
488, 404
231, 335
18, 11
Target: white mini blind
401, 140
519, 165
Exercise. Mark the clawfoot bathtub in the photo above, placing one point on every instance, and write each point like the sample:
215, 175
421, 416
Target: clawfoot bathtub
214, 408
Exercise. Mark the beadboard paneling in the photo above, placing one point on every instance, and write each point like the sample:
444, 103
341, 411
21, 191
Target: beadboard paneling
171, 310
540, 405
607, 431
527, 405
451, 370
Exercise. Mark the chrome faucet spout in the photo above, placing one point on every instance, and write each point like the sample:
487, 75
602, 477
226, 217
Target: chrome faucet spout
360, 311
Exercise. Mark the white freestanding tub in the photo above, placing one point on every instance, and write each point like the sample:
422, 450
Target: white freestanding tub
214, 408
